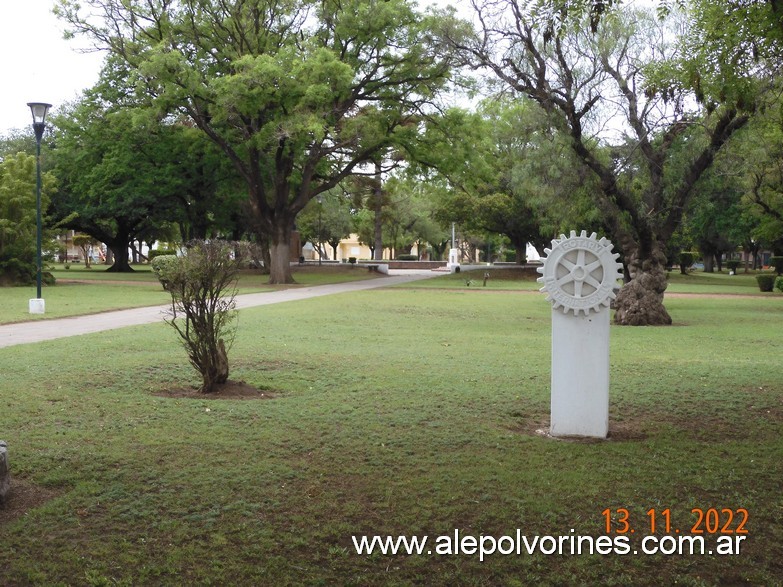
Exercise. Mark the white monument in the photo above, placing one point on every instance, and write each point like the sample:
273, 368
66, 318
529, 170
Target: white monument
453, 264
580, 276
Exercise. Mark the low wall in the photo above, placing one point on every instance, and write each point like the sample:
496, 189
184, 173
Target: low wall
407, 264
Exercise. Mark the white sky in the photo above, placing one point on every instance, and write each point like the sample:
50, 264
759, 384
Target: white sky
38, 65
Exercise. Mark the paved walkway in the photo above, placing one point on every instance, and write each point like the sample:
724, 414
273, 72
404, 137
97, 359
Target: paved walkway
37, 331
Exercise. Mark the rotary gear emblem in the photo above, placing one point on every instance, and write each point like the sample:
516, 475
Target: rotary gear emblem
580, 273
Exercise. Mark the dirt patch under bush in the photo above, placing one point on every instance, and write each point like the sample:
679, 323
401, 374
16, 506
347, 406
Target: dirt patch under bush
230, 390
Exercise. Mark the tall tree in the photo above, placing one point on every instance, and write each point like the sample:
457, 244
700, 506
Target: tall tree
119, 172
297, 93
590, 76
18, 252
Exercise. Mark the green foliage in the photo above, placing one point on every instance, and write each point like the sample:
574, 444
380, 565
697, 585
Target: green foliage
777, 264
297, 95
729, 48
779, 284
202, 284
122, 171
766, 281
747, 181
686, 260
406, 257
164, 266
326, 221
508, 171
154, 253
733, 264
18, 247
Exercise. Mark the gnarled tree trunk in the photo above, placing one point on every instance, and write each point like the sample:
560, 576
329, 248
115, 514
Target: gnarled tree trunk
640, 301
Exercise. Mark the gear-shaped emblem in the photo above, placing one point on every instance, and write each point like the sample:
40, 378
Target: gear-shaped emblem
580, 273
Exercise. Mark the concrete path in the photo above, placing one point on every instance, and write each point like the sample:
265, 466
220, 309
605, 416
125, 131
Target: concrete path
39, 330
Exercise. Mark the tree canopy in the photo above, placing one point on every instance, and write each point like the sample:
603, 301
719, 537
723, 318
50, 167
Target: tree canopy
120, 172
591, 79
298, 94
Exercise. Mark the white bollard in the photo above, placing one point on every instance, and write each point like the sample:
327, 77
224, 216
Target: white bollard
37, 306
580, 275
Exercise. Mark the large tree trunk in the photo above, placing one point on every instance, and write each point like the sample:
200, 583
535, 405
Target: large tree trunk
280, 255
640, 301
709, 261
119, 249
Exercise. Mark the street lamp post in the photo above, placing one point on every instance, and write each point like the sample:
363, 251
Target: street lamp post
320, 210
39, 110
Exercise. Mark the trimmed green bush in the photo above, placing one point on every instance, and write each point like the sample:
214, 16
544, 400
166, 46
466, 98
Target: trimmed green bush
766, 281
777, 263
352, 260
407, 257
160, 253
733, 265
163, 265
779, 284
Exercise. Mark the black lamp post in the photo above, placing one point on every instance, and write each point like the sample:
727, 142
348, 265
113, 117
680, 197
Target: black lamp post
320, 209
39, 111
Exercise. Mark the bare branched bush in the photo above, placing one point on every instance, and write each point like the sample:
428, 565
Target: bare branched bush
202, 284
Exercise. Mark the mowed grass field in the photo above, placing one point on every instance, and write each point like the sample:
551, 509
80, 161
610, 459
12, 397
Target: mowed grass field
404, 411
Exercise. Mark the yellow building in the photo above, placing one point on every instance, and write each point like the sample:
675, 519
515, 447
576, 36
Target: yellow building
348, 247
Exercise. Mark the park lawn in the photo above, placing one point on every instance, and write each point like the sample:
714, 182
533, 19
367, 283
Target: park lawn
82, 291
714, 283
500, 278
394, 412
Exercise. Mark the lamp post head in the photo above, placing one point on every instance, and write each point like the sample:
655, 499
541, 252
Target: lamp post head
39, 110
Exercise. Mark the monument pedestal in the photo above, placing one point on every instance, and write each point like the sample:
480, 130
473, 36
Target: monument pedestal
37, 306
453, 263
580, 374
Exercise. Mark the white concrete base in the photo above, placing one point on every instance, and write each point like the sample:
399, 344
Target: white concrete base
453, 264
580, 374
383, 268
37, 306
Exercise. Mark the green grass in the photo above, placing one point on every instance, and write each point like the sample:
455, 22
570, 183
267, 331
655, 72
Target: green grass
82, 291
395, 412
500, 278
714, 283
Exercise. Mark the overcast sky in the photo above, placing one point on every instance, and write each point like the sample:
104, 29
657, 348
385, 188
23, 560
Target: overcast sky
37, 65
